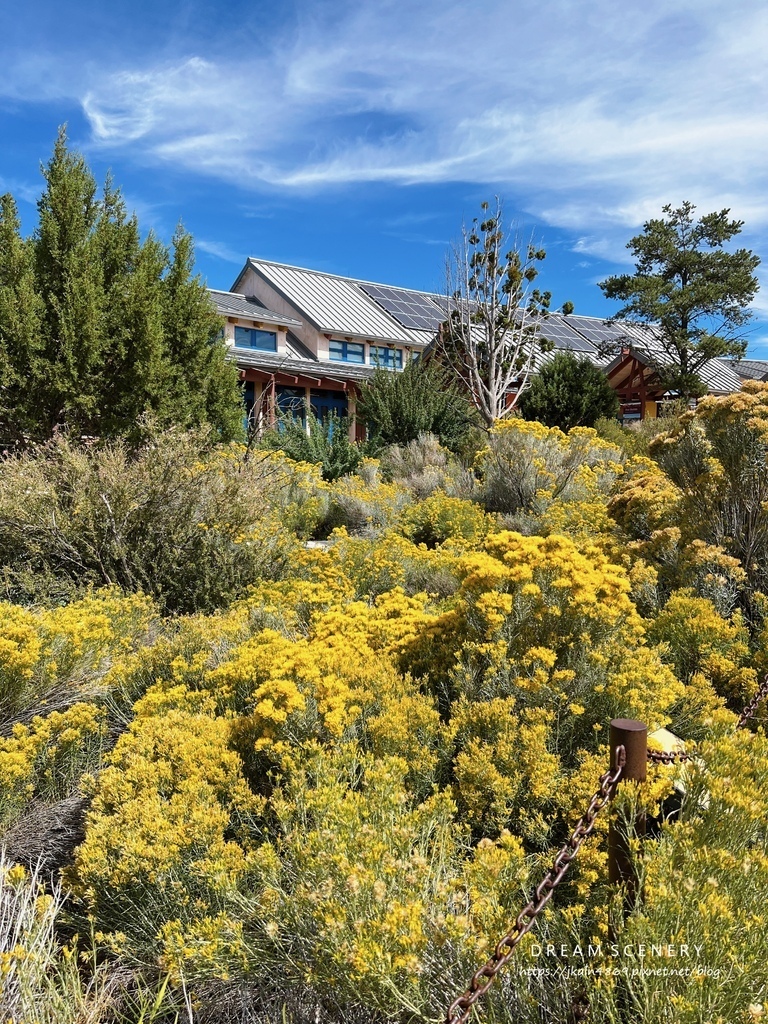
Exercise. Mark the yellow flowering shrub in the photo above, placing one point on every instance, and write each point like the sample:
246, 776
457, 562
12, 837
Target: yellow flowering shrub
88, 633
364, 503
646, 500
20, 648
528, 466
211, 946
72, 647
718, 457
297, 491
376, 565
46, 758
701, 641
706, 885
439, 518
362, 885
504, 771
336, 684
160, 825
341, 789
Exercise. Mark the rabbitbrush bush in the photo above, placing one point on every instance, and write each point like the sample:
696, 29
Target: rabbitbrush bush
329, 799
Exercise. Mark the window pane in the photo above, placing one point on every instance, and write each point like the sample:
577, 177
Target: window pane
323, 403
250, 337
346, 351
392, 358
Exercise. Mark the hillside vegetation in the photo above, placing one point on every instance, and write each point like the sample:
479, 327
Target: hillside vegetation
248, 779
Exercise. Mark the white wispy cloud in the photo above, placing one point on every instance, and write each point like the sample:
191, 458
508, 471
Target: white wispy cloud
220, 250
593, 115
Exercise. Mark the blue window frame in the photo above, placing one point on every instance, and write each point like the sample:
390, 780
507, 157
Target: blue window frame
391, 358
347, 351
323, 403
251, 337
291, 402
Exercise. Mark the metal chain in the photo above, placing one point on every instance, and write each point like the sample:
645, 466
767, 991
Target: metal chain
460, 1008
680, 757
751, 708
668, 756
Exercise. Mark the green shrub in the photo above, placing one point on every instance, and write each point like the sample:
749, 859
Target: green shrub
568, 392
423, 398
324, 442
187, 522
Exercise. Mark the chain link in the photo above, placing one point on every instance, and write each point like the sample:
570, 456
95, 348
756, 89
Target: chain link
680, 757
461, 1008
751, 708
669, 756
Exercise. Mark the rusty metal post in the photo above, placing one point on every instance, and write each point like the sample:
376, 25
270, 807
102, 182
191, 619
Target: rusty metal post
633, 736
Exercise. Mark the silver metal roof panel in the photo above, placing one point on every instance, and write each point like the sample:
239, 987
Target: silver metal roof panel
335, 305
234, 304
274, 363
749, 369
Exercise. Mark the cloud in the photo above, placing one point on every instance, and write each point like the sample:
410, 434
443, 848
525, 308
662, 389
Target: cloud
592, 116
220, 250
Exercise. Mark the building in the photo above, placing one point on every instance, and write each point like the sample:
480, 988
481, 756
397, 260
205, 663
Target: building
633, 374
303, 338
749, 369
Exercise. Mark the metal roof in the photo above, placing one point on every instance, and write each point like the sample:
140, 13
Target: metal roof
290, 364
364, 309
335, 305
234, 304
749, 369
716, 374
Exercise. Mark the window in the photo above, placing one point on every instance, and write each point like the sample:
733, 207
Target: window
249, 400
347, 351
250, 337
391, 358
291, 402
324, 403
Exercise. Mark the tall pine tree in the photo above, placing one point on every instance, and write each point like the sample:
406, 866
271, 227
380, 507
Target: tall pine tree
21, 316
98, 326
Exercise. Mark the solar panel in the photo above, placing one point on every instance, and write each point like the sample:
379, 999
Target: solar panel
410, 309
556, 330
596, 331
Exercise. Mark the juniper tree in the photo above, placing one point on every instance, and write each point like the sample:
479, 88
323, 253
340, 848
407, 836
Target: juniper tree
569, 392
423, 398
21, 315
98, 326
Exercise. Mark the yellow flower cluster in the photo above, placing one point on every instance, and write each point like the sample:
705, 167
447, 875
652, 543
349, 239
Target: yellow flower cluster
47, 757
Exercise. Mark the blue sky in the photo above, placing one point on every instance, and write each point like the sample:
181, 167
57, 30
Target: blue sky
355, 137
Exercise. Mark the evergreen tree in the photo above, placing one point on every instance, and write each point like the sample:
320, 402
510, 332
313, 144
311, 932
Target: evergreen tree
201, 378
69, 278
21, 316
423, 398
98, 327
568, 392
693, 292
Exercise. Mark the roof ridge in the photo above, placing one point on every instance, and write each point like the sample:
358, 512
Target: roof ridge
342, 277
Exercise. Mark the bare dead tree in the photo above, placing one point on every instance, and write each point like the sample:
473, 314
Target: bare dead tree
491, 339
